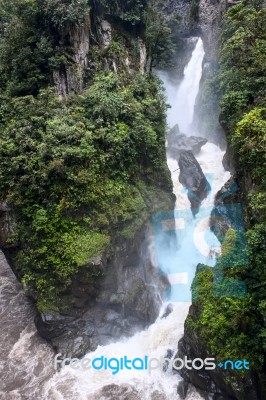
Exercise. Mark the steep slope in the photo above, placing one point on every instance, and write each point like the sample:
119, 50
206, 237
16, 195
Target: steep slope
83, 164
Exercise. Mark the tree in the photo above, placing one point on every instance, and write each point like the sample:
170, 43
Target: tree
160, 30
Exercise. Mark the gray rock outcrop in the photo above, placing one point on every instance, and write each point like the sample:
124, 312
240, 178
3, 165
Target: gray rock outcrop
211, 13
26, 359
225, 214
182, 9
194, 180
178, 142
70, 78
126, 299
213, 384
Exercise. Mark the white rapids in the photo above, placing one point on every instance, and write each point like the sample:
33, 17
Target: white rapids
194, 244
165, 333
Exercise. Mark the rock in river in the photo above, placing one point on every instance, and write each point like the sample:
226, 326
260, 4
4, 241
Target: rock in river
194, 180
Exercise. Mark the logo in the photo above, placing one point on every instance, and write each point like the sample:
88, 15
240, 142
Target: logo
116, 365
238, 365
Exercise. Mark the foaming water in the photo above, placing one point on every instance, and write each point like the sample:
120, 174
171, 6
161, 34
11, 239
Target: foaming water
198, 243
165, 333
154, 342
194, 245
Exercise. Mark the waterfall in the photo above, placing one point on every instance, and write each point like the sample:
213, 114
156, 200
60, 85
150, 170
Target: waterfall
179, 264
183, 100
164, 334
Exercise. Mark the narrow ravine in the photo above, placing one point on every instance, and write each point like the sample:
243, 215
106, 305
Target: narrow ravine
195, 243
132, 200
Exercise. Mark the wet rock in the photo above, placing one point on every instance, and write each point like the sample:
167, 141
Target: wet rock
196, 143
113, 391
118, 304
194, 180
185, 143
156, 395
182, 389
227, 213
168, 356
78, 346
229, 160
167, 311
26, 359
212, 384
178, 142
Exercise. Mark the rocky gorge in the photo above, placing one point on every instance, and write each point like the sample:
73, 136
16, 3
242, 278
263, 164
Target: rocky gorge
113, 294
232, 212
118, 290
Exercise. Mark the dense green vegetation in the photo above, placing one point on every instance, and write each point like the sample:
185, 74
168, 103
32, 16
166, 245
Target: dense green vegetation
80, 171
194, 12
161, 34
236, 327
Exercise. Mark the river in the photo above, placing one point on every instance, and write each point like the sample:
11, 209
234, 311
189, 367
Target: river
31, 359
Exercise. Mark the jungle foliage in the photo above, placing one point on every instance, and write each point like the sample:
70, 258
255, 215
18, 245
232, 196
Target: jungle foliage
235, 328
77, 171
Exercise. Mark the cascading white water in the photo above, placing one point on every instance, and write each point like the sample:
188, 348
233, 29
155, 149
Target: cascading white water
183, 100
21, 342
194, 246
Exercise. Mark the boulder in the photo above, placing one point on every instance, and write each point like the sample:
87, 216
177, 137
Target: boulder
172, 135
196, 143
114, 391
168, 310
182, 389
194, 180
178, 142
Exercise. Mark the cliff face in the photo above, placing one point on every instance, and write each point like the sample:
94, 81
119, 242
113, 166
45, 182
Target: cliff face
218, 320
202, 17
211, 14
20, 344
101, 25
207, 110
70, 78
213, 384
117, 290
124, 300
124, 297
197, 18
182, 8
